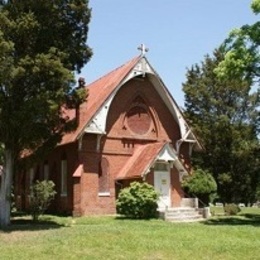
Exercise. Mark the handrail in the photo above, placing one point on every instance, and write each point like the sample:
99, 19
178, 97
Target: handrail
165, 205
189, 195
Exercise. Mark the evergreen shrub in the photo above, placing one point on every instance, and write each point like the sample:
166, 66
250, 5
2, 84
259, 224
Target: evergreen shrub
42, 193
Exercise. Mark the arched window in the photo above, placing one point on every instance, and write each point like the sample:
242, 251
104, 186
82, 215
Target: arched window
103, 180
31, 173
46, 171
64, 175
31, 178
53, 173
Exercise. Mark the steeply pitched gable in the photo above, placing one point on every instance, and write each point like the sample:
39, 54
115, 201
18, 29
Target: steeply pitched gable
93, 113
98, 93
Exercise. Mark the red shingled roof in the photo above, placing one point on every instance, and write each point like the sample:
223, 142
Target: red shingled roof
98, 92
140, 161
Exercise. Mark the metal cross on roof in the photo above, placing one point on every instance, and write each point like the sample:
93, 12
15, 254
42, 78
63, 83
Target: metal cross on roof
143, 49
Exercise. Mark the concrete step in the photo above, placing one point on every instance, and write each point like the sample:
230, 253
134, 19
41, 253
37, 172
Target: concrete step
182, 214
183, 219
188, 214
188, 211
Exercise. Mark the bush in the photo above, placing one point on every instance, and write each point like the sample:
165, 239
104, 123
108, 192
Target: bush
42, 193
138, 201
231, 209
202, 184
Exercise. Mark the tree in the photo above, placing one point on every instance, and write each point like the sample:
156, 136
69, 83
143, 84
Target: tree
242, 47
242, 54
242, 58
42, 43
1, 154
223, 113
201, 184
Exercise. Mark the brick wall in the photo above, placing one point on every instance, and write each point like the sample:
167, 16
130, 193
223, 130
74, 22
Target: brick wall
176, 190
119, 143
156, 124
61, 204
163, 125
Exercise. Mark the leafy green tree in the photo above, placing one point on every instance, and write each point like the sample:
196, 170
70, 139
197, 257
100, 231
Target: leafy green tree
201, 184
42, 44
258, 192
242, 49
223, 113
242, 54
1, 154
242, 59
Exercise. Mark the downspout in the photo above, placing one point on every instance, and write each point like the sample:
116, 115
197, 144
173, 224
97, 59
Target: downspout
99, 137
120, 187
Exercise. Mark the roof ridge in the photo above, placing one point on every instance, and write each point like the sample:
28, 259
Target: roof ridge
114, 70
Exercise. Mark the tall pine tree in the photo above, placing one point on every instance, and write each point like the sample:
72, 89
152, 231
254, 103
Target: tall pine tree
41, 44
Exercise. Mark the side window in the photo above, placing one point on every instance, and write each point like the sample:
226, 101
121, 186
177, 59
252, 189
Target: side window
64, 176
31, 176
46, 171
53, 173
103, 180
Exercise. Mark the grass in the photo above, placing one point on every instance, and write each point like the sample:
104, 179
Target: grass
55, 237
218, 211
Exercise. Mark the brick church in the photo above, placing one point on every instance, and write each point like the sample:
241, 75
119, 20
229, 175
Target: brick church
130, 129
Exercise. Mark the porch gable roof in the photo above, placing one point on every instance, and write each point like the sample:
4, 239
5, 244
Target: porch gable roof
144, 158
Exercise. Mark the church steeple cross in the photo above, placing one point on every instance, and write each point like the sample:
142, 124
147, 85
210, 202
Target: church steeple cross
143, 49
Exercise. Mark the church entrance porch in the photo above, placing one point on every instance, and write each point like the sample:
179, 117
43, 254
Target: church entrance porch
162, 184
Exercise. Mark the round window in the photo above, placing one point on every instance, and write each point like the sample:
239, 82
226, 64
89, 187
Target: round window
138, 120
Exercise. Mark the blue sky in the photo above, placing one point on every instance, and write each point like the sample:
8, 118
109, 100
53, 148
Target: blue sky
178, 34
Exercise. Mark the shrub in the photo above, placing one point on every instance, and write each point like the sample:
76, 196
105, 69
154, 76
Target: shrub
231, 209
202, 184
138, 201
42, 193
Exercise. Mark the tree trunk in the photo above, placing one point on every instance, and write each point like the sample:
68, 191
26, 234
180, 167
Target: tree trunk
5, 189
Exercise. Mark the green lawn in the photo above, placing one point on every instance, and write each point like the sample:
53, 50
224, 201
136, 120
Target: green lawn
110, 238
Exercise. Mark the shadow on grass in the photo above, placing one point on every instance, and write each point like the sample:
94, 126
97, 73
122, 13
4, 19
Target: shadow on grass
122, 217
23, 222
242, 219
